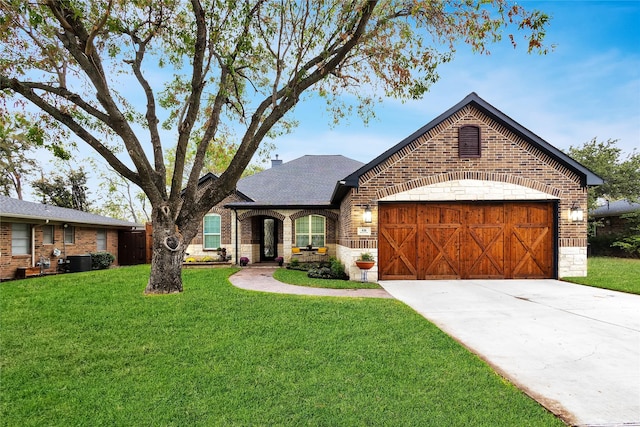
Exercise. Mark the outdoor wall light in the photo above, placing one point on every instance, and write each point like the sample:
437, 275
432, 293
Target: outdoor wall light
577, 214
366, 217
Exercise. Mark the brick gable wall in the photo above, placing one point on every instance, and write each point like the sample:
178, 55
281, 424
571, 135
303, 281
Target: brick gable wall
433, 158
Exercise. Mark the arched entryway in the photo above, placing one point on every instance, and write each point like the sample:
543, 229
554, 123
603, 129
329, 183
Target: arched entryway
261, 235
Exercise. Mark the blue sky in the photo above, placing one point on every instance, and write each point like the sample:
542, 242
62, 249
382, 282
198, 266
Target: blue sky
589, 86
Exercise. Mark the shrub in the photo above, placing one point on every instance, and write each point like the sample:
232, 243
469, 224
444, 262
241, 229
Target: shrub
320, 273
190, 259
630, 241
366, 256
337, 268
244, 261
294, 263
208, 258
101, 260
332, 270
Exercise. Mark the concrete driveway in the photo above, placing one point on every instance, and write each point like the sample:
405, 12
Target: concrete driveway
575, 349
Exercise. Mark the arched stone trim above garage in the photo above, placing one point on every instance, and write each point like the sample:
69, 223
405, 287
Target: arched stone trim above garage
469, 186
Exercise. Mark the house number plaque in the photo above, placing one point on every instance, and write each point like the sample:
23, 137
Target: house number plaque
364, 231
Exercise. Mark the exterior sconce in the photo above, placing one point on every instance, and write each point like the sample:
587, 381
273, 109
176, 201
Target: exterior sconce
366, 217
577, 214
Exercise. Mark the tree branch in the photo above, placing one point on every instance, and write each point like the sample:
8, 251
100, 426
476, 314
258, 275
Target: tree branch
75, 39
151, 113
69, 122
287, 97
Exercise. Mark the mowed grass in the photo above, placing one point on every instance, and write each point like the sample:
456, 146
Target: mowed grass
618, 274
297, 277
89, 349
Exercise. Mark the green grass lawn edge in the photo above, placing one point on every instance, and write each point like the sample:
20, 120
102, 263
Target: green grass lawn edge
91, 349
298, 277
617, 274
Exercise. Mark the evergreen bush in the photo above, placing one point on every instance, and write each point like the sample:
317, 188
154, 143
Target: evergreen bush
101, 260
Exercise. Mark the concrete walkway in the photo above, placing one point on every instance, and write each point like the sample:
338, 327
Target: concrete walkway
575, 349
261, 279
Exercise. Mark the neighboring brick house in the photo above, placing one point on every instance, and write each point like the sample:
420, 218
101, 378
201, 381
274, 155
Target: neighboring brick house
608, 217
31, 231
472, 194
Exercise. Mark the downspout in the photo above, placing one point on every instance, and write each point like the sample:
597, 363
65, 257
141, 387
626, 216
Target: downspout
235, 214
33, 245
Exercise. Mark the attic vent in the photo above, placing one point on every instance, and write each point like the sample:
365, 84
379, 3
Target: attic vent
469, 141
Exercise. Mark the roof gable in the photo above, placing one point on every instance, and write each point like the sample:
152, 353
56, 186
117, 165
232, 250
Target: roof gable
588, 177
306, 181
208, 179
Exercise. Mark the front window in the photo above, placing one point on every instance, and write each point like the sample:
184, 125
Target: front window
211, 232
47, 234
69, 235
20, 239
101, 240
310, 230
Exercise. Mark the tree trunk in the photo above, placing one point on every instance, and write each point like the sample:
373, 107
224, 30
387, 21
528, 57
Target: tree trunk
168, 253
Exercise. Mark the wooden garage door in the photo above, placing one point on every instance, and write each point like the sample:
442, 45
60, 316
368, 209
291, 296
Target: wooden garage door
501, 240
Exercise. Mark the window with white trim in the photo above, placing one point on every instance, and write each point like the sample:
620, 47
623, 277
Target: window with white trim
311, 230
20, 239
47, 234
69, 234
211, 231
101, 240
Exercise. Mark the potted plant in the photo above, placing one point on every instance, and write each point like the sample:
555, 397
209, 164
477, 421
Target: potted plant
244, 261
366, 261
279, 260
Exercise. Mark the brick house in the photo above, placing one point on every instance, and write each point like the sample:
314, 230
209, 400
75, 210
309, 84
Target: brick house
32, 234
609, 217
472, 194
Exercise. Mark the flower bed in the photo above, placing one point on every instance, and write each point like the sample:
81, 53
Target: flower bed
206, 261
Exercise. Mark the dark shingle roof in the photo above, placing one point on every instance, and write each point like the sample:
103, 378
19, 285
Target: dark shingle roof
20, 209
617, 208
305, 181
588, 177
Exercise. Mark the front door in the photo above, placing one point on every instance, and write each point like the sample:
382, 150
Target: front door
268, 239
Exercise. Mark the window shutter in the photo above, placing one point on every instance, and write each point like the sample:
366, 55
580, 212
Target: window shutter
469, 141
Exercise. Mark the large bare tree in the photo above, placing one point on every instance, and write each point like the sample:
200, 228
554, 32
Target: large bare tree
117, 72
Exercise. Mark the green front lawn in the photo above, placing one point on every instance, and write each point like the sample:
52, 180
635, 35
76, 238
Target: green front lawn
618, 274
90, 349
297, 277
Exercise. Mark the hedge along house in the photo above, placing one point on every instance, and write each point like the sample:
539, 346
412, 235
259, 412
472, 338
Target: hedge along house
33, 233
472, 194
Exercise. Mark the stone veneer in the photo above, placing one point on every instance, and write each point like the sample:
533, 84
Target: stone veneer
469, 189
